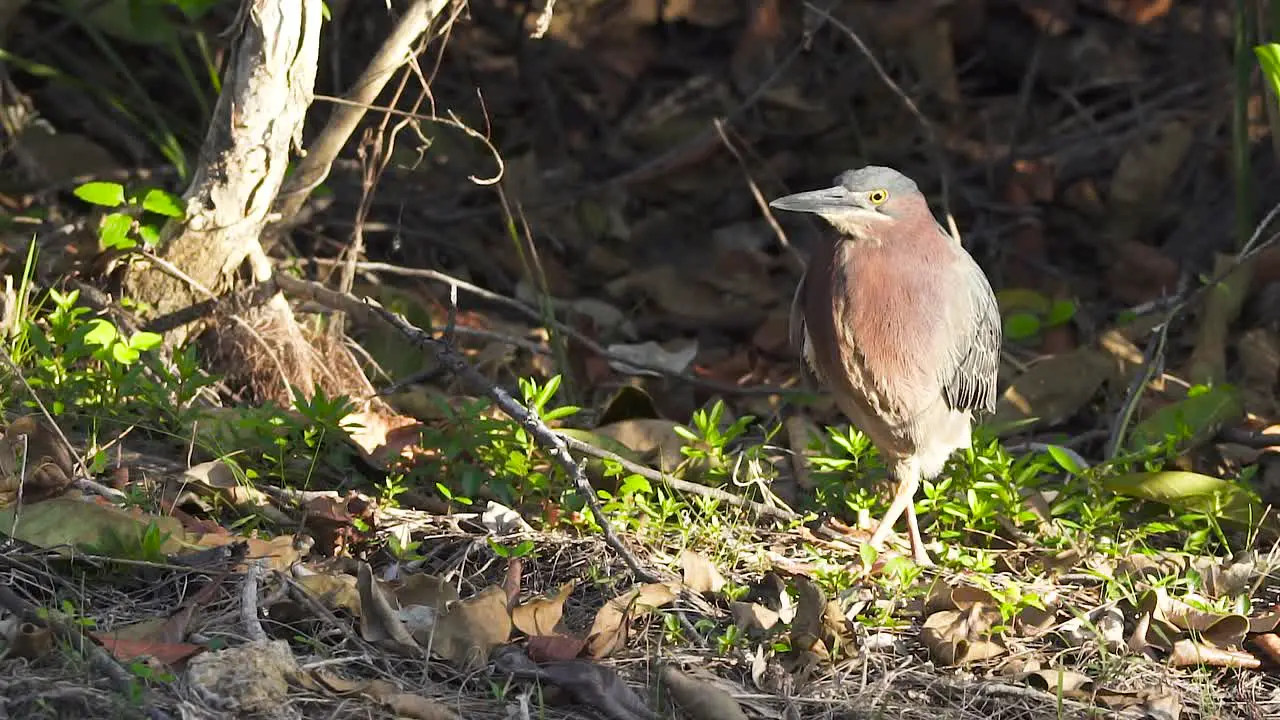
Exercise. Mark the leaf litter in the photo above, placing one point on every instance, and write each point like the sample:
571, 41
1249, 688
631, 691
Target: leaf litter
465, 620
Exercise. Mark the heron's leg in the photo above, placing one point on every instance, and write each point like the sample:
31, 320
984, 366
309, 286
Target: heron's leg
908, 482
918, 553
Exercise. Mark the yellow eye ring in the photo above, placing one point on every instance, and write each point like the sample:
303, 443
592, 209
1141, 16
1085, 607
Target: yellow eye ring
877, 197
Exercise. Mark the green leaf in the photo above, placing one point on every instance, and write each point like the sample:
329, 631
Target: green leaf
107, 194
143, 340
1061, 312
150, 234
101, 333
1192, 420
1065, 460
1021, 326
1190, 491
114, 232
163, 202
1269, 58
124, 354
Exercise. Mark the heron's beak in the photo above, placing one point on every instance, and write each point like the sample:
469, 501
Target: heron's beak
828, 201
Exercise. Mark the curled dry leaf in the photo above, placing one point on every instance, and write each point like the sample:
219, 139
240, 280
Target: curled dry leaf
380, 622
818, 623
337, 591
32, 456
957, 637
470, 629
753, 617
423, 589
32, 642
609, 629
699, 699
1269, 645
1189, 652
540, 616
546, 648
1069, 682
406, 705
700, 574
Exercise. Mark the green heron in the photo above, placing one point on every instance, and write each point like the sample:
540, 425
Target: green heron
900, 324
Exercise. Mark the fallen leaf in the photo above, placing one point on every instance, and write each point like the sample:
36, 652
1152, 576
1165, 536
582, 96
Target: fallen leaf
1189, 652
609, 629
958, 637
33, 459
1190, 491
700, 574
1194, 420
1052, 391
470, 629
333, 591
65, 523
649, 355
380, 621
1058, 680
544, 648
540, 616
700, 699
127, 650
753, 616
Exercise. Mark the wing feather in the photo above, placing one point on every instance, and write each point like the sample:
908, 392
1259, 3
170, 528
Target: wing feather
970, 374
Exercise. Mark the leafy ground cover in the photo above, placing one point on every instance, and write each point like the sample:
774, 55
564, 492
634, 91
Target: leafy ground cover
179, 542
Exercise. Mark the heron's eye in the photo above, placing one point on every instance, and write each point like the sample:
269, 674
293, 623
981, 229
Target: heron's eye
877, 197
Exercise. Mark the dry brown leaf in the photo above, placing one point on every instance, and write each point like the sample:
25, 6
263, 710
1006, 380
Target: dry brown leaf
1142, 178
1269, 644
540, 616
957, 637
1189, 652
26, 640
753, 617
699, 699
334, 591
33, 458
407, 705
818, 623
700, 574
609, 630
1068, 682
654, 440
942, 596
470, 629
423, 589
380, 622
1052, 391
547, 648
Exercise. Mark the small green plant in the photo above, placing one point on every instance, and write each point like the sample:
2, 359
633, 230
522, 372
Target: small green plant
136, 217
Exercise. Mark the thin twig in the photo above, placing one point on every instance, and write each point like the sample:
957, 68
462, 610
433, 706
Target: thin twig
456, 284
321, 153
249, 602
944, 168
73, 636
1176, 304
674, 483
550, 442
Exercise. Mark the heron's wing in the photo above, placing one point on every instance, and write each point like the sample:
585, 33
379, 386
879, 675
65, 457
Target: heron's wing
973, 358
799, 335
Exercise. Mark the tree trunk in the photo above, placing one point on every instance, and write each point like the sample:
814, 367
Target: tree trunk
258, 119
